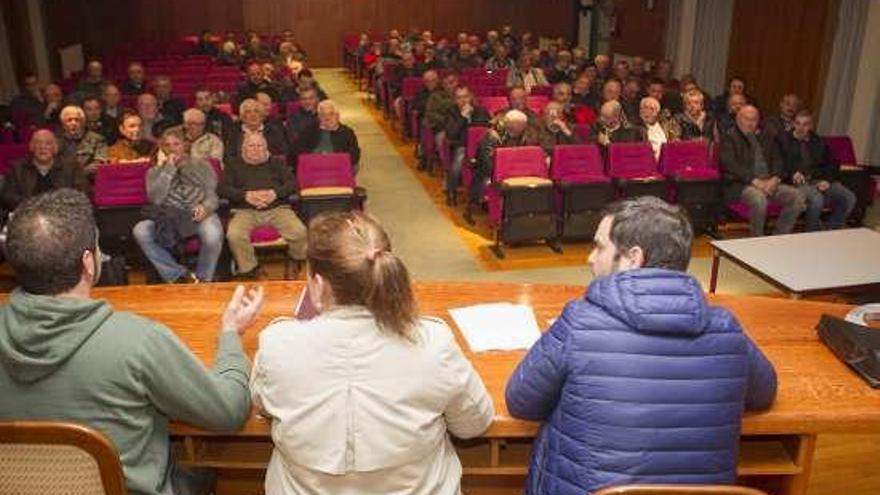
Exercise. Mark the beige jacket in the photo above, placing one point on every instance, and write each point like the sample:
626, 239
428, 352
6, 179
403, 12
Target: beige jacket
359, 411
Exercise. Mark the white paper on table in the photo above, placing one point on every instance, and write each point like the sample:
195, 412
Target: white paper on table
497, 326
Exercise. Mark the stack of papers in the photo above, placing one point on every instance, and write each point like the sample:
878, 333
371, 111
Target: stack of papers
497, 326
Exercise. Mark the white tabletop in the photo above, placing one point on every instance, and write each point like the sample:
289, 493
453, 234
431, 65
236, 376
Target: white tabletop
811, 261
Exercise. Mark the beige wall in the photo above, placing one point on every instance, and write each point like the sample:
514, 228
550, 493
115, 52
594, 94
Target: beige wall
864, 122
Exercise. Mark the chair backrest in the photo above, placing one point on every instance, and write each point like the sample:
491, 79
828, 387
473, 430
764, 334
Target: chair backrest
522, 161
474, 134
55, 458
680, 490
121, 185
493, 104
324, 170
9, 153
410, 87
676, 156
631, 159
536, 103
546, 90
573, 162
225, 108
842, 149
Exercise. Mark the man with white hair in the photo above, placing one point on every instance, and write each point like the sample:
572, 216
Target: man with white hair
199, 144
695, 121
656, 129
610, 127
42, 170
78, 143
330, 136
253, 121
514, 131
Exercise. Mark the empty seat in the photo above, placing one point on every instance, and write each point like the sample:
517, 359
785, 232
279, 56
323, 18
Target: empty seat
697, 183
119, 193
521, 199
536, 103
326, 183
583, 189
9, 154
633, 167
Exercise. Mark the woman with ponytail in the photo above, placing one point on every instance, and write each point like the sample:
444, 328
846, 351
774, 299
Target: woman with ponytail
363, 398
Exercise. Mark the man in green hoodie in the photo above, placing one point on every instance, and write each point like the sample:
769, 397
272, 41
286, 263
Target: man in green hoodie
66, 356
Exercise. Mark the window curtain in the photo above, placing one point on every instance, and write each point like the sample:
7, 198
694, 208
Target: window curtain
712, 43
673, 26
840, 82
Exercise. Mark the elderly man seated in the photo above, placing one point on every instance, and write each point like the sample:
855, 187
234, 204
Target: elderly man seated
136, 82
611, 128
753, 172
253, 121
183, 194
514, 131
695, 122
525, 75
131, 146
40, 171
152, 121
330, 135
257, 186
79, 144
657, 130
556, 129
93, 82
199, 144
170, 107
810, 167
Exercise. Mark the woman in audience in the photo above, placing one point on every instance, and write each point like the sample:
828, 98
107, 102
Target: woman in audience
364, 396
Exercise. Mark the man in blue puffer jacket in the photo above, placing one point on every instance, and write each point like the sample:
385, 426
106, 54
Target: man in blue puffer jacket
642, 381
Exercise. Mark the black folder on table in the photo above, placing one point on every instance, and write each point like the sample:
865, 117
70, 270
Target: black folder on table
856, 345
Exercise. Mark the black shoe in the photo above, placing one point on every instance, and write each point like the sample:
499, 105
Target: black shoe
249, 275
188, 278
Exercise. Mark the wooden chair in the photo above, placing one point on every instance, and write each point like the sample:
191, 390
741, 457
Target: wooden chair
55, 458
679, 490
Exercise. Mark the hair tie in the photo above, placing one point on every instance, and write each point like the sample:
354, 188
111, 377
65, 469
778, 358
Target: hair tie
372, 254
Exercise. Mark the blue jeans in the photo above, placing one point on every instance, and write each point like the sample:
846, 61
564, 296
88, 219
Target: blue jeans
453, 177
210, 237
841, 199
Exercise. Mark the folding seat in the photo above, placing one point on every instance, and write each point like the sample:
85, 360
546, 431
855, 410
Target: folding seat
583, 189
697, 184
493, 104
119, 193
325, 183
633, 168
854, 175
474, 135
521, 198
536, 103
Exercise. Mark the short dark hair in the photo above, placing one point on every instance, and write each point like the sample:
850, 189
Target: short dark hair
661, 230
47, 238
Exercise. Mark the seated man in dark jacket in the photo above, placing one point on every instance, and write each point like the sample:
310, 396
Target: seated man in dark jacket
258, 186
611, 128
556, 129
465, 114
641, 381
216, 121
41, 171
753, 170
253, 121
331, 136
302, 119
810, 167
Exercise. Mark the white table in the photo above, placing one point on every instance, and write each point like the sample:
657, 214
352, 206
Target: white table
809, 263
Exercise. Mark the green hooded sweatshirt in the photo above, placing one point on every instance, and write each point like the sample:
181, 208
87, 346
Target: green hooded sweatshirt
124, 375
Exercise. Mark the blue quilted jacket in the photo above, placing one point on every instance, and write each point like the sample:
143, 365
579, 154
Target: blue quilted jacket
643, 382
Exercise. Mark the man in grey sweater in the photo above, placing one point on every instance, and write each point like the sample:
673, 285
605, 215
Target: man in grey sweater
66, 356
188, 189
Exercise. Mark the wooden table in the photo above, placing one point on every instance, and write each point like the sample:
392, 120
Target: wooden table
809, 263
817, 394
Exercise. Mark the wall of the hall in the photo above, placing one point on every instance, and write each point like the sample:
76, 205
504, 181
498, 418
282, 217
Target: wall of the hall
320, 24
